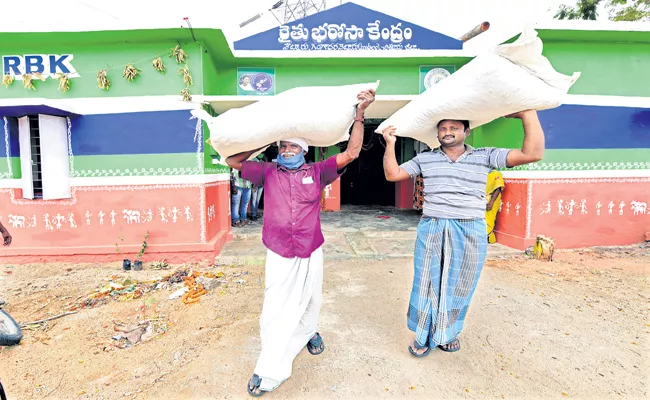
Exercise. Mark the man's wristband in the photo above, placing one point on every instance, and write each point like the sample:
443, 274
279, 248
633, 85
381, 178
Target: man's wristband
360, 119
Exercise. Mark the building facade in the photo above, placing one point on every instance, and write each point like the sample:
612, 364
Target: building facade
86, 172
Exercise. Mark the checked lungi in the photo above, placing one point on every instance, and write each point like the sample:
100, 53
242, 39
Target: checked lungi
449, 257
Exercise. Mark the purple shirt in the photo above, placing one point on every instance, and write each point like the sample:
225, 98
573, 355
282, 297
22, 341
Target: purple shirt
292, 204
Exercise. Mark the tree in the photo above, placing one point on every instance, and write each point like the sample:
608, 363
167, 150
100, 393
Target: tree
619, 10
629, 10
584, 9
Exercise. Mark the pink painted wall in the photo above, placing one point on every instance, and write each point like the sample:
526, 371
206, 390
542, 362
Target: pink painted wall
179, 217
575, 212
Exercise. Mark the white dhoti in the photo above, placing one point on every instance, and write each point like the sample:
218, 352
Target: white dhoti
293, 296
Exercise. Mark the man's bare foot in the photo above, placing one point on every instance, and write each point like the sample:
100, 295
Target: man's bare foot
451, 347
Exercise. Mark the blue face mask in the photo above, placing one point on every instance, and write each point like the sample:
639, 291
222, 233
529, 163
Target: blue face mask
292, 162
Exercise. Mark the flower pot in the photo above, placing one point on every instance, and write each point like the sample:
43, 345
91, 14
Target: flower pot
126, 265
137, 265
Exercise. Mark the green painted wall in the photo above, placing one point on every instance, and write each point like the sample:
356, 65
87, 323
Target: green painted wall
210, 73
613, 69
396, 78
15, 168
89, 60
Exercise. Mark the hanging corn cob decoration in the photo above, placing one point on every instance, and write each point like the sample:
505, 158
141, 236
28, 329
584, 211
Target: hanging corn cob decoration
187, 77
178, 53
102, 81
130, 72
186, 95
28, 82
39, 76
7, 80
159, 65
64, 82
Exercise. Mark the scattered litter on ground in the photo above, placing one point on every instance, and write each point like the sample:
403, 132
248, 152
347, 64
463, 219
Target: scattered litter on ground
143, 331
196, 290
158, 265
126, 289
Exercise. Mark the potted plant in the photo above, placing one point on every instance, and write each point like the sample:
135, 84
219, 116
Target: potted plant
137, 264
126, 263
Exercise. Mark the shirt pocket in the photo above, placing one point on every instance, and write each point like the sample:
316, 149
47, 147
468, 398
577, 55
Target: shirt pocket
308, 189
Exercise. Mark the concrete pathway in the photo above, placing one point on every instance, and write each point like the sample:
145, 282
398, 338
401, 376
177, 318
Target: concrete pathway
353, 233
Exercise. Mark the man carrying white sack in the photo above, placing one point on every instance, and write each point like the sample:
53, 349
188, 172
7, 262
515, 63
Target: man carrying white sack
451, 239
294, 261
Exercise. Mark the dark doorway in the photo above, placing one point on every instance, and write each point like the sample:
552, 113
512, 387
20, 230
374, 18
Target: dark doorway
364, 183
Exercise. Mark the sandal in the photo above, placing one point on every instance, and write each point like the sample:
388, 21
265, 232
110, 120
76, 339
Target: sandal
315, 346
455, 341
418, 347
256, 381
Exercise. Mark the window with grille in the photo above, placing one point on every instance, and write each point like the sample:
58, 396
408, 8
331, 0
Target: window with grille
35, 146
43, 143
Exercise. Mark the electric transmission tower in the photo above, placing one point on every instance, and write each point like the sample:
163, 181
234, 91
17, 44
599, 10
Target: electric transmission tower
290, 10
285, 11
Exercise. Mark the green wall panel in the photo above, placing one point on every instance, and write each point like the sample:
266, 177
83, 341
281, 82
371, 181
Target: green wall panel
395, 79
591, 160
136, 165
15, 168
612, 69
89, 60
210, 74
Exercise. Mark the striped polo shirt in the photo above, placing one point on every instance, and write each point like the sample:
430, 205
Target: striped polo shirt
456, 190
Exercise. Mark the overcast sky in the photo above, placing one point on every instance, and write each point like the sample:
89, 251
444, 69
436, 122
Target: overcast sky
451, 17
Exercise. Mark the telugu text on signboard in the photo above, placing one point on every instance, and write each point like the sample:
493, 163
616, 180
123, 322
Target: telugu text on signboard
341, 37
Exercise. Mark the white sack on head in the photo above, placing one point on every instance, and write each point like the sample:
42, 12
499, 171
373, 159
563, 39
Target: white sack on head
510, 78
322, 115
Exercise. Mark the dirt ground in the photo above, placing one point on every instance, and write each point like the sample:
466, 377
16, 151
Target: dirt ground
574, 328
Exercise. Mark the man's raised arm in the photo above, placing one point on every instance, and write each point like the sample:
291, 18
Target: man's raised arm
356, 137
235, 161
533, 148
392, 170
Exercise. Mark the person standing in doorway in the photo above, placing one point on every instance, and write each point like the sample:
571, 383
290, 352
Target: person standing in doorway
450, 247
294, 239
257, 192
240, 190
493, 191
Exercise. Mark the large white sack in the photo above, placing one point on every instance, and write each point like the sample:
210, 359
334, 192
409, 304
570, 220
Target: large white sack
322, 115
509, 78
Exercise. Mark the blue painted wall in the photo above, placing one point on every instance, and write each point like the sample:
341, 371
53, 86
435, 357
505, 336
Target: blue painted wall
161, 132
348, 15
596, 127
14, 146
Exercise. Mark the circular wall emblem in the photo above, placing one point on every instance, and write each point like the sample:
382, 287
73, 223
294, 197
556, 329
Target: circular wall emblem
262, 82
434, 76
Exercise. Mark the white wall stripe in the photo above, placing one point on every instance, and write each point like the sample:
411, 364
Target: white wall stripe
611, 101
130, 180
633, 173
10, 173
109, 105
115, 105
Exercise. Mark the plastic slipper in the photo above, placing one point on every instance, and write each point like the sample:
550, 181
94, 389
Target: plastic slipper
256, 381
442, 347
315, 345
418, 347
